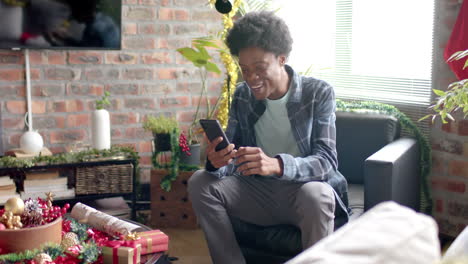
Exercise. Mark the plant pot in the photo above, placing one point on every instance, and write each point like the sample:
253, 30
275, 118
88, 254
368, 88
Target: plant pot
101, 129
162, 142
17, 240
194, 158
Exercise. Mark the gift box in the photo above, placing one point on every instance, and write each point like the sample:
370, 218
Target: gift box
153, 241
121, 252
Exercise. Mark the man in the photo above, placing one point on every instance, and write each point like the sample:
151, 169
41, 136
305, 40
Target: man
282, 159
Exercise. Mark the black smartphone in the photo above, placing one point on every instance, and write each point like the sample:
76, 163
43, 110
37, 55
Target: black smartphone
213, 130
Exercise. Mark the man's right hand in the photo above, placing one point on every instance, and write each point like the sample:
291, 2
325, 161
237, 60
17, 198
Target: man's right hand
222, 157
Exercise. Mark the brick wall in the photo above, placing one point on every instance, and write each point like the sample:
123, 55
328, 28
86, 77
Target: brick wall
449, 177
146, 77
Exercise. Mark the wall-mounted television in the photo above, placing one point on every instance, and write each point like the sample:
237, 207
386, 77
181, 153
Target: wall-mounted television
60, 24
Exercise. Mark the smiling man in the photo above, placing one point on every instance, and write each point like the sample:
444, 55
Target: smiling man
281, 167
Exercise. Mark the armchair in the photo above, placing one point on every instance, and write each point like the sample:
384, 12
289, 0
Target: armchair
378, 165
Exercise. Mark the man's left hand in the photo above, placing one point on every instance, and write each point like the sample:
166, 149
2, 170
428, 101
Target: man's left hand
255, 161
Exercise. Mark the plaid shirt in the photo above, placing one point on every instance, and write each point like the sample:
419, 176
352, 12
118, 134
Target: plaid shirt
311, 111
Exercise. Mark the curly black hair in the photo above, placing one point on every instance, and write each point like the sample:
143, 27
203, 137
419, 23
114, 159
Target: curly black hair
263, 30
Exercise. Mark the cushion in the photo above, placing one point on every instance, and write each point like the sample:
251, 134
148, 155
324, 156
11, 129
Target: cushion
387, 234
356, 200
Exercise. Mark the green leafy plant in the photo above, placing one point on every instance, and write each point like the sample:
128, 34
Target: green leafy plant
103, 102
200, 58
160, 124
454, 99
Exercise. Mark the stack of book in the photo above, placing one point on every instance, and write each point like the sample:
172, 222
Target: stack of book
38, 183
7, 189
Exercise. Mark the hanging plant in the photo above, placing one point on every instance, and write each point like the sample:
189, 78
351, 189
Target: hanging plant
408, 125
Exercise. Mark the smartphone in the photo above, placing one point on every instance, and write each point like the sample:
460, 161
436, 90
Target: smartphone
213, 130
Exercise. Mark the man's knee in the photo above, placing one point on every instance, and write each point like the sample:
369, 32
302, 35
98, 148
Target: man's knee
316, 195
198, 181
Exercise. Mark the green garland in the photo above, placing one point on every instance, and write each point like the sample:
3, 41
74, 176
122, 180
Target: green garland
408, 125
71, 157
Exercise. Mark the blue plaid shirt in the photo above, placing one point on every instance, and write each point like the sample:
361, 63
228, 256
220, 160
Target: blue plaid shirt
311, 111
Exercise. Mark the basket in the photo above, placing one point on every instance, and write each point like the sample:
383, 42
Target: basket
104, 179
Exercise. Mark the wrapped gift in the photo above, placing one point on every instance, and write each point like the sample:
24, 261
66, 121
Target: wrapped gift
153, 241
121, 252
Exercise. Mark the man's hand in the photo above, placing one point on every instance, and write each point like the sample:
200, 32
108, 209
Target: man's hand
222, 157
255, 161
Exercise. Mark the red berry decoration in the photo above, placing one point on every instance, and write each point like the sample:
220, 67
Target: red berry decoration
183, 144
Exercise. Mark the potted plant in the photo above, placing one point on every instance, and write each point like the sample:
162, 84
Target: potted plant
454, 99
200, 58
101, 134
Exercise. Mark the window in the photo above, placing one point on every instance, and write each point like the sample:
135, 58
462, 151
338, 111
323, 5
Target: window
367, 49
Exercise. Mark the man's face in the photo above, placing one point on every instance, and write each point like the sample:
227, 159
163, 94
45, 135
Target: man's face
263, 71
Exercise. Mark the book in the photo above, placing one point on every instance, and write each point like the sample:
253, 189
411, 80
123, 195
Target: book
6, 180
20, 154
45, 188
41, 175
46, 182
68, 193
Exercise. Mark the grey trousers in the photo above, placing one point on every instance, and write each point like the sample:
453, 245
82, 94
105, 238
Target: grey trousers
261, 201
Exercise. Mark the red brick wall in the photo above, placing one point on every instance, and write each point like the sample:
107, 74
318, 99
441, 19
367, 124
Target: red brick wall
449, 177
146, 77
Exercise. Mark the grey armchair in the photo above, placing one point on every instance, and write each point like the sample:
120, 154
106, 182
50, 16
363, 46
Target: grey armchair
378, 165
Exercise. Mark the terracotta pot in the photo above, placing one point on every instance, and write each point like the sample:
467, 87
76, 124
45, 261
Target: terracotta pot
18, 240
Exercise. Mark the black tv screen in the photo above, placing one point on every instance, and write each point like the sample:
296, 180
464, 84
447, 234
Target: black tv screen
60, 24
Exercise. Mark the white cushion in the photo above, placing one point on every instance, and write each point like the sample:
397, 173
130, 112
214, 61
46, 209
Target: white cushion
387, 234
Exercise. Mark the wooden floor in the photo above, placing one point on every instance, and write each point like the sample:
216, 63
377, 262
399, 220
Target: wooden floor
188, 245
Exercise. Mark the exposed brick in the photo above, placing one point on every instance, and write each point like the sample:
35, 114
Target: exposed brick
185, 116
85, 89
116, 133
458, 168
10, 90
465, 149
172, 43
48, 90
157, 58
35, 74
149, 2
188, 29
130, 132
78, 120
130, 2
156, 88
448, 145
139, 13
102, 74
121, 58
11, 58
152, 29
67, 136
463, 128
457, 209
49, 122
145, 147
203, 102
192, 3
128, 145
16, 107
11, 75
57, 57
440, 183
206, 15
116, 104
14, 139
138, 74
439, 205
13, 123
123, 88
66, 106
124, 118
188, 87
179, 101
438, 163
139, 43
164, 2
61, 74
130, 29
140, 103
37, 57
58, 149
145, 160
85, 57
168, 73
145, 175
173, 14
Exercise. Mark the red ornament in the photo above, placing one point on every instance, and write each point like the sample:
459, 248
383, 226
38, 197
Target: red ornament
183, 144
2, 227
